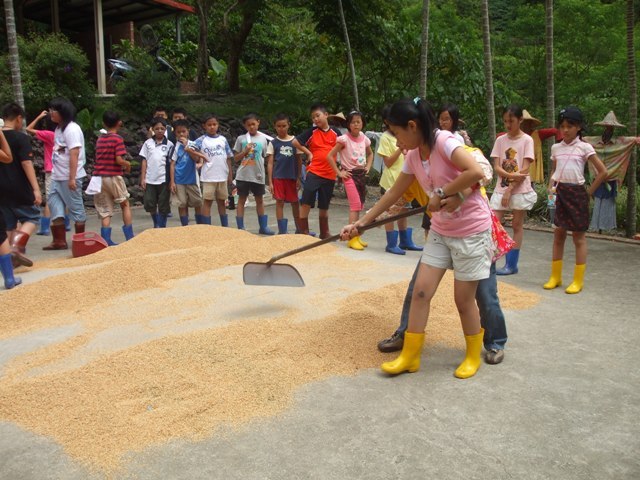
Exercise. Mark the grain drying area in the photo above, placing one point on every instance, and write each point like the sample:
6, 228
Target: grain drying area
158, 339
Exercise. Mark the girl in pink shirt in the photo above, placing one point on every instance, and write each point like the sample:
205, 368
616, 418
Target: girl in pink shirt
460, 237
572, 203
512, 155
47, 139
356, 158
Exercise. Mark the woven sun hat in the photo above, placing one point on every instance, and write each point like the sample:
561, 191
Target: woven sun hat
337, 119
526, 117
610, 120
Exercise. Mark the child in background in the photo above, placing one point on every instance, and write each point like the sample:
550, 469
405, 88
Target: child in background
156, 153
111, 165
356, 158
216, 170
180, 114
251, 150
320, 179
184, 179
460, 235
393, 158
284, 168
6, 263
567, 182
513, 151
47, 139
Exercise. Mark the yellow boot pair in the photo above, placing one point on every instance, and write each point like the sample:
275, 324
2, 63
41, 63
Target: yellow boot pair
357, 243
556, 277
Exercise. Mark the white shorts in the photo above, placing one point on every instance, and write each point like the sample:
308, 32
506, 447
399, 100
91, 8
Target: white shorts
468, 257
518, 201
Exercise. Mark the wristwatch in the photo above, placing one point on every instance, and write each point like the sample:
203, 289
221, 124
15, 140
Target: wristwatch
440, 192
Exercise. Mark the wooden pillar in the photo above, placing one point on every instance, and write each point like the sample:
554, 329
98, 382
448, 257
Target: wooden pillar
55, 16
99, 42
178, 28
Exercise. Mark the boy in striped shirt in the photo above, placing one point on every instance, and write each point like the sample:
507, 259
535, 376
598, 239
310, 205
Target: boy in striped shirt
111, 165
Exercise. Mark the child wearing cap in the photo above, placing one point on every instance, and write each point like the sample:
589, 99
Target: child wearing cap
567, 182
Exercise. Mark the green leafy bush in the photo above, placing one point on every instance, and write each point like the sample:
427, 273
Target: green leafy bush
51, 66
145, 88
181, 56
621, 207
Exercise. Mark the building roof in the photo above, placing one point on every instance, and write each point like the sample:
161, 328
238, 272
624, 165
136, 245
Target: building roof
77, 15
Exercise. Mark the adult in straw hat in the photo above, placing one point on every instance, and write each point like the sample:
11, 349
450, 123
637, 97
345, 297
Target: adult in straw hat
614, 153
530, 126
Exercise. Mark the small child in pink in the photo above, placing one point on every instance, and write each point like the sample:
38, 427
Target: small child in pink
356, 157
47, 139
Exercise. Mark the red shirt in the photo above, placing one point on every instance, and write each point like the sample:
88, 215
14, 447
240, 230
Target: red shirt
108, 147
320, 143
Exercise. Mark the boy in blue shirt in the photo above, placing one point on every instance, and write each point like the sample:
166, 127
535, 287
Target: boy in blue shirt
284, 168
184, 179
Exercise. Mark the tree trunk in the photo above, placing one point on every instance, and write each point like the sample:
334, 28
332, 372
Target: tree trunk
551, 106
237, 40
424, 48
633, 123
352, 66
233, 67
202, 7
488, 70
14, 57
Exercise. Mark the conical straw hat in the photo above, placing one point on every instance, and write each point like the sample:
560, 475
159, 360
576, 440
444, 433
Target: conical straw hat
526, 116
610, 120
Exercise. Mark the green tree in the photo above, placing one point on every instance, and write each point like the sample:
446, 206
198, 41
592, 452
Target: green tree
633, 121
488, 69
14, 55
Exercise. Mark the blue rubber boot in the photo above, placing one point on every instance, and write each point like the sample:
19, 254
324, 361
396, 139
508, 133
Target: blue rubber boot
7, 272
162, 220
263, 220
45, 223
184, 220
406, 242
105, 232
224, 220
282, 226
240, 223
156, 219
128, 231
511, 264
67, 223
392, 243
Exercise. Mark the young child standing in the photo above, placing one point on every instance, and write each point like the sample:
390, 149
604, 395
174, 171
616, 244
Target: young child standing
356, 158
460, 235
154, 176
184, 178
320, 179
216, 174
251, 150
47, 139
512, 155
110, 165
284, 169
567, 182
6, 262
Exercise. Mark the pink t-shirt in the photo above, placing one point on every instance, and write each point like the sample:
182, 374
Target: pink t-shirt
47, 138
510, 150
474, 215
570, 160
354, 153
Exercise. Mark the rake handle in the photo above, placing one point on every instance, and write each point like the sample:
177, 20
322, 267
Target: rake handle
333, 238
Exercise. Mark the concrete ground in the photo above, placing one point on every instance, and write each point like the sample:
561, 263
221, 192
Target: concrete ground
564, 404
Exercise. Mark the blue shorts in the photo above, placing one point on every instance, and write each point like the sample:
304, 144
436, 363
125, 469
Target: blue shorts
61, 197
22, 214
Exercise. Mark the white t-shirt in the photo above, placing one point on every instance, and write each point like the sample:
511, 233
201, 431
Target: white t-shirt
217, 150
64, 141
156, 156
570, 160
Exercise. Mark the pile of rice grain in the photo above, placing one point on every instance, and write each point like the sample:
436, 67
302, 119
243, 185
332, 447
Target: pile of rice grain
192, 385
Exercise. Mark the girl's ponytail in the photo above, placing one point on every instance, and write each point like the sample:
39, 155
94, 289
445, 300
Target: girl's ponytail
418, 110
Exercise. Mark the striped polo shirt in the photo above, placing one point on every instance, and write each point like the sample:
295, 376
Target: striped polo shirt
108, 147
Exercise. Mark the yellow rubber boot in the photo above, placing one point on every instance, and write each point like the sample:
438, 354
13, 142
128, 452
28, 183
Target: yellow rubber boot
409, 359
471, 362
555, 280
355, 243
578, 279
362, 242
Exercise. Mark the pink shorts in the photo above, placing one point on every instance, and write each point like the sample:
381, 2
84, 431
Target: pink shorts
285, 189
